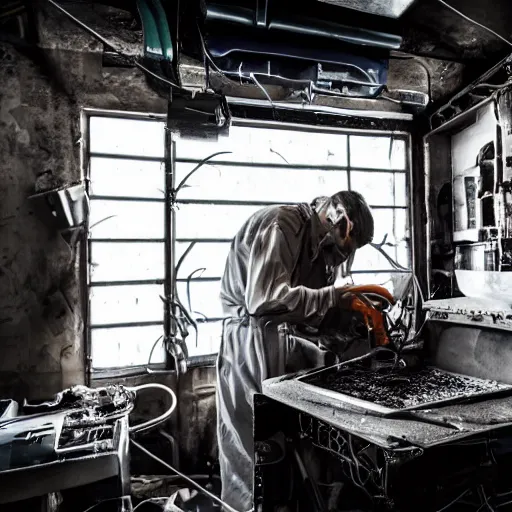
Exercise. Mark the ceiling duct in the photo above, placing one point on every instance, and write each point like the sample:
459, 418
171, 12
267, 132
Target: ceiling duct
389, 8
304, 27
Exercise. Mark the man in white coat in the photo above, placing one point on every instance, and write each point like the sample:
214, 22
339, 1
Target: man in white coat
281, 268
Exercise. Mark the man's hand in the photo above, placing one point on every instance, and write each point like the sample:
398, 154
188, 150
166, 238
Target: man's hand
370, 289
344, 296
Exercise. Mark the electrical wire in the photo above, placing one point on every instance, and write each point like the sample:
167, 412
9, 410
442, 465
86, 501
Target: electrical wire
201, 489
197, 167
185, 313
391, 261
160, 419
357, 463
312, 86
491, 86
486, 504
467, 18
110, 46
189, 278
454, 501
183, 256
151, 500
177, 303
210, 59
420, 292
267, 95
182, 328
207, 53
101, 502
188, 317
102, 220
18, 10
357, 484
153, 349
397, 266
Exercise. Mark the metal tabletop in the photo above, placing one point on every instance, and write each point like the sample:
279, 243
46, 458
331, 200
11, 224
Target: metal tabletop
421, 428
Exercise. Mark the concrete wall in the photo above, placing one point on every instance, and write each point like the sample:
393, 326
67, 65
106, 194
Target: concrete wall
40, 319
41, 92
41, 330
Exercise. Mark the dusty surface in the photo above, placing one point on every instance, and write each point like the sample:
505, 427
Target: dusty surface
417, 429
400, 388
41, 92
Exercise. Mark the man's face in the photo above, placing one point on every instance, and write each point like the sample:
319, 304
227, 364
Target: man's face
338, 245
337, 249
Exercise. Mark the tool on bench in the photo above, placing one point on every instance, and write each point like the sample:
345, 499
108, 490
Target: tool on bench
367, 300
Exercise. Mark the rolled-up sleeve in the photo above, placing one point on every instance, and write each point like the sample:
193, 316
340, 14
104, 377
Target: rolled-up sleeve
269, 291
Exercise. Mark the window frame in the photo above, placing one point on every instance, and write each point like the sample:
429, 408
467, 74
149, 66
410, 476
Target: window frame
85, 265
252, 123
170, 239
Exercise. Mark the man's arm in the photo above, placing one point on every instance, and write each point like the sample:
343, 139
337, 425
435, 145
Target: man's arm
269, 291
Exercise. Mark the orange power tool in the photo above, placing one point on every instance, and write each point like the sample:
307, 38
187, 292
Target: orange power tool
363, 302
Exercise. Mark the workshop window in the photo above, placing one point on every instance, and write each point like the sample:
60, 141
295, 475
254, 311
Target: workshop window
126, 240
266, 165
269, 165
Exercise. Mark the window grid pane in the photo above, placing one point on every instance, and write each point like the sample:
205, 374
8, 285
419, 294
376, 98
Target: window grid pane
266, 165
125, 304
379, 174
126, 261
127, 346
130, 137
218, 182
126, 219
271, 146
117, 177
126, 320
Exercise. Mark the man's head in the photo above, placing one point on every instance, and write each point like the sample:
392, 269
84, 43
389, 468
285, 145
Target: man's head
349, 224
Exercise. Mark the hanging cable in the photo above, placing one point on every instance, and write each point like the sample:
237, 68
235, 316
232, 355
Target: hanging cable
189, 278
467, 18
420, 291
183, 256
187, 316
454, 501
267, 95
201, 489
197, 167
110, 46
313, 87
182, 328
397, 266
207, 53
153, 349
177, 303
160, 419
159, 501
101, 503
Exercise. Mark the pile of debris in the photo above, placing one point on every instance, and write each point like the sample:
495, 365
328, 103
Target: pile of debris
400, 388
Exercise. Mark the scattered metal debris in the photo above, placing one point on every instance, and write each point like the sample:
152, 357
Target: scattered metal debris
400, 388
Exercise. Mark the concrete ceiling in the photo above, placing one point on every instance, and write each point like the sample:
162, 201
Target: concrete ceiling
453, 50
